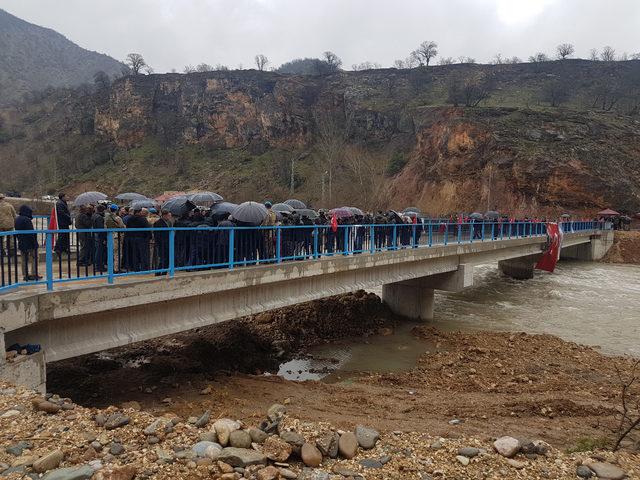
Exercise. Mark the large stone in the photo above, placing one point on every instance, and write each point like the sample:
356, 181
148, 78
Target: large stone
48, 461
268, 473
294, 439
72, 473
223, 428
242, 457
209, 437
200, 448
276, 411
240, 439
277, 449
367, 437
584, 472
607, 471
45, 406
507, 446
328, 444
203, 420
311, 456
116, 420
348, 445
257, 435
155, 426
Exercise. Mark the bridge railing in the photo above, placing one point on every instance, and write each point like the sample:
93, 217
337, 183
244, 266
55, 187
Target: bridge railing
49, 257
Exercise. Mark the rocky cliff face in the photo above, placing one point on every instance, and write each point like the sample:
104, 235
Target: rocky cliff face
380, 138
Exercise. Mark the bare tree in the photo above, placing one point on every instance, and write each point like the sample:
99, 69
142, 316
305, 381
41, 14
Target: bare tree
556, 92
463, 59
332, 134
593, 55
204, 67
446, 61
425, 52
135, 62
635, 56
469, 89
606, 94
332, 60
565, 50
409, 62
608, 54
221, 68
513, 60
148, 69
365, 66
629, 411
189, 69
497, 59
101, 80
538, 58
261, 62
624, 57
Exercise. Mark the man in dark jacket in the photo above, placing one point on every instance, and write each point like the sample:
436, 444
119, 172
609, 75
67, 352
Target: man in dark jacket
64, 222
139, 242
161, 239
85, 239
27, 243
100, 240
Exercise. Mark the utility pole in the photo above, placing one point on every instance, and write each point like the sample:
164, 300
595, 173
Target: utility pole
323, 177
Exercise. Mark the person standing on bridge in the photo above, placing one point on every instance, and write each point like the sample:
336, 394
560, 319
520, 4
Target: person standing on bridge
85, 239
7, 221
161, 240
27, 243
139, 241
64, 222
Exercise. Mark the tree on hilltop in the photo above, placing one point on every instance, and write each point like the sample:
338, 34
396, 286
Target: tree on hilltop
564, 50
136, 63
261, 62
425, 52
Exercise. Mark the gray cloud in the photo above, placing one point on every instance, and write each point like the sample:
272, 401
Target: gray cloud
174, 33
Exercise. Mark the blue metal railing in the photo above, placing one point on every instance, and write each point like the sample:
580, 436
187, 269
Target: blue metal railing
113, 253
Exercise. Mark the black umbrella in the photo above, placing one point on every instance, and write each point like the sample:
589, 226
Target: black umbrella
492, 215
222, 210
476, 216
297, 204
306, 212
355, 211
395, 216
411, 210
88, 198
204, 198
130, 196
282, 207
341, 213
250, 213
144, 203
179, 205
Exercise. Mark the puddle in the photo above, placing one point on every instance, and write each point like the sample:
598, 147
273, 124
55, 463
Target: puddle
342, 361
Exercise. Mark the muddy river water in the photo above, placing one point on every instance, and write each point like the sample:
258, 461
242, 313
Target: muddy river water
589, 303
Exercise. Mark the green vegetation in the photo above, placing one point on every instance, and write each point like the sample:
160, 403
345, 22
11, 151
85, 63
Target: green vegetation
589, 444
396, 163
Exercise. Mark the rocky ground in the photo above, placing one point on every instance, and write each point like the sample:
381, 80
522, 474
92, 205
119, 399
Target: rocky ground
55, 439
625, 249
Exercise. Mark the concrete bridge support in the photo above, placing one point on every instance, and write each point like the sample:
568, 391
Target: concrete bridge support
415, 298
520, 268
27, 370
591, 251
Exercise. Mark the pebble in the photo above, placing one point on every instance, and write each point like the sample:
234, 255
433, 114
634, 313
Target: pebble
607, 471
276, 449
209, 437
242, 457
294, 439
344, 471
328, 444
17, 449
276, 411
584, 472
240, 439
200, 448
268, 473
96, 445
437, 445
288, 474
257, 435
507, 446
203, 420
10, 413
71, 473
370, 463
367, 437
455, 421
348, 445
116, 449
463, 460
116, 420
127, 472
469, 452
48, 461
311, 456
516, 463
45, 406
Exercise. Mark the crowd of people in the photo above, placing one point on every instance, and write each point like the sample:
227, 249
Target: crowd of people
142, 237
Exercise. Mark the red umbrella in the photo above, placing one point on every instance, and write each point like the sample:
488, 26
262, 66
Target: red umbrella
608, 213
341, 213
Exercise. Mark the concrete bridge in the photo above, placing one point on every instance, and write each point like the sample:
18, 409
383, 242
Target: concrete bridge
88, 318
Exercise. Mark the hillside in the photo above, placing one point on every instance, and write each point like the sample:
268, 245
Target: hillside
550, 137
33, 58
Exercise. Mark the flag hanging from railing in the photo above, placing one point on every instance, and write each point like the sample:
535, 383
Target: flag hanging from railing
53, 225
552, 255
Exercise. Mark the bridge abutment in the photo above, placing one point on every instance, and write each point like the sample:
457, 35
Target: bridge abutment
27, 370
592, 251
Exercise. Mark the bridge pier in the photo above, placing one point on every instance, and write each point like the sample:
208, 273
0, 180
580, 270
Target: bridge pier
415, 298
592, 251
519, 268
27, 370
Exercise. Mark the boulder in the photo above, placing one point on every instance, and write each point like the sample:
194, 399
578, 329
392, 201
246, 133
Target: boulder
240, 439
242, 457
257, 435
348, 445
328, 444
507, 446
367, 437
607, 471
310, 455
200, 448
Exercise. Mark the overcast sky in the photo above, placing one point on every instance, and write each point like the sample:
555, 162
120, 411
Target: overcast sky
174, 33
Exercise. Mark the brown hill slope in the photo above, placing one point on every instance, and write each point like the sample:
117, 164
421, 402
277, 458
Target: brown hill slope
376, 138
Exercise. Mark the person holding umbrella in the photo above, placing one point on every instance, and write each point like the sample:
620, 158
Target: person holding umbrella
139, 242
64, 222
161, 239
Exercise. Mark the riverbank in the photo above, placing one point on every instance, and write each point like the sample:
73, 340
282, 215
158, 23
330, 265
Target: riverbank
625, 248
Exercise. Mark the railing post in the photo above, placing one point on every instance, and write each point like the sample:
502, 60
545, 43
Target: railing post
414, 232
345, 248
460, 227
232, 239
446, 233
316, 240
372, 240
110, 257
278, 243
493, 231
49, 259
430, 234
395, 233
172, 253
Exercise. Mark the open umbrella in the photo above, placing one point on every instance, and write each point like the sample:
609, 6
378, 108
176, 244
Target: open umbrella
565, 215
292, 202
341, 213
476, 216
492, 215
411, 210
250, 213
87, 198
222, 210
306, 212
168, 196
355, 211
179, 205
395, 216
608, 213
282, 207
143, 203
130, 196
204, 198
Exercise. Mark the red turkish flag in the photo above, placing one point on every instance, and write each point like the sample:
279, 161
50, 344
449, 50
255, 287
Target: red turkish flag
552, 255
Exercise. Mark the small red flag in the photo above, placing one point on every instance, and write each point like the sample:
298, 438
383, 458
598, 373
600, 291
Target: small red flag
334, 223
53, 224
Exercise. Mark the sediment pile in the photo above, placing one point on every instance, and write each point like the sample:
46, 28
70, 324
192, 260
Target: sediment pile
625, 248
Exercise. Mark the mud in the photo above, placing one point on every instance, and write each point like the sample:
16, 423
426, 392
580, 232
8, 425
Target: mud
625, 248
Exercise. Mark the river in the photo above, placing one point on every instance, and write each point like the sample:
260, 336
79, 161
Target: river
590, 303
